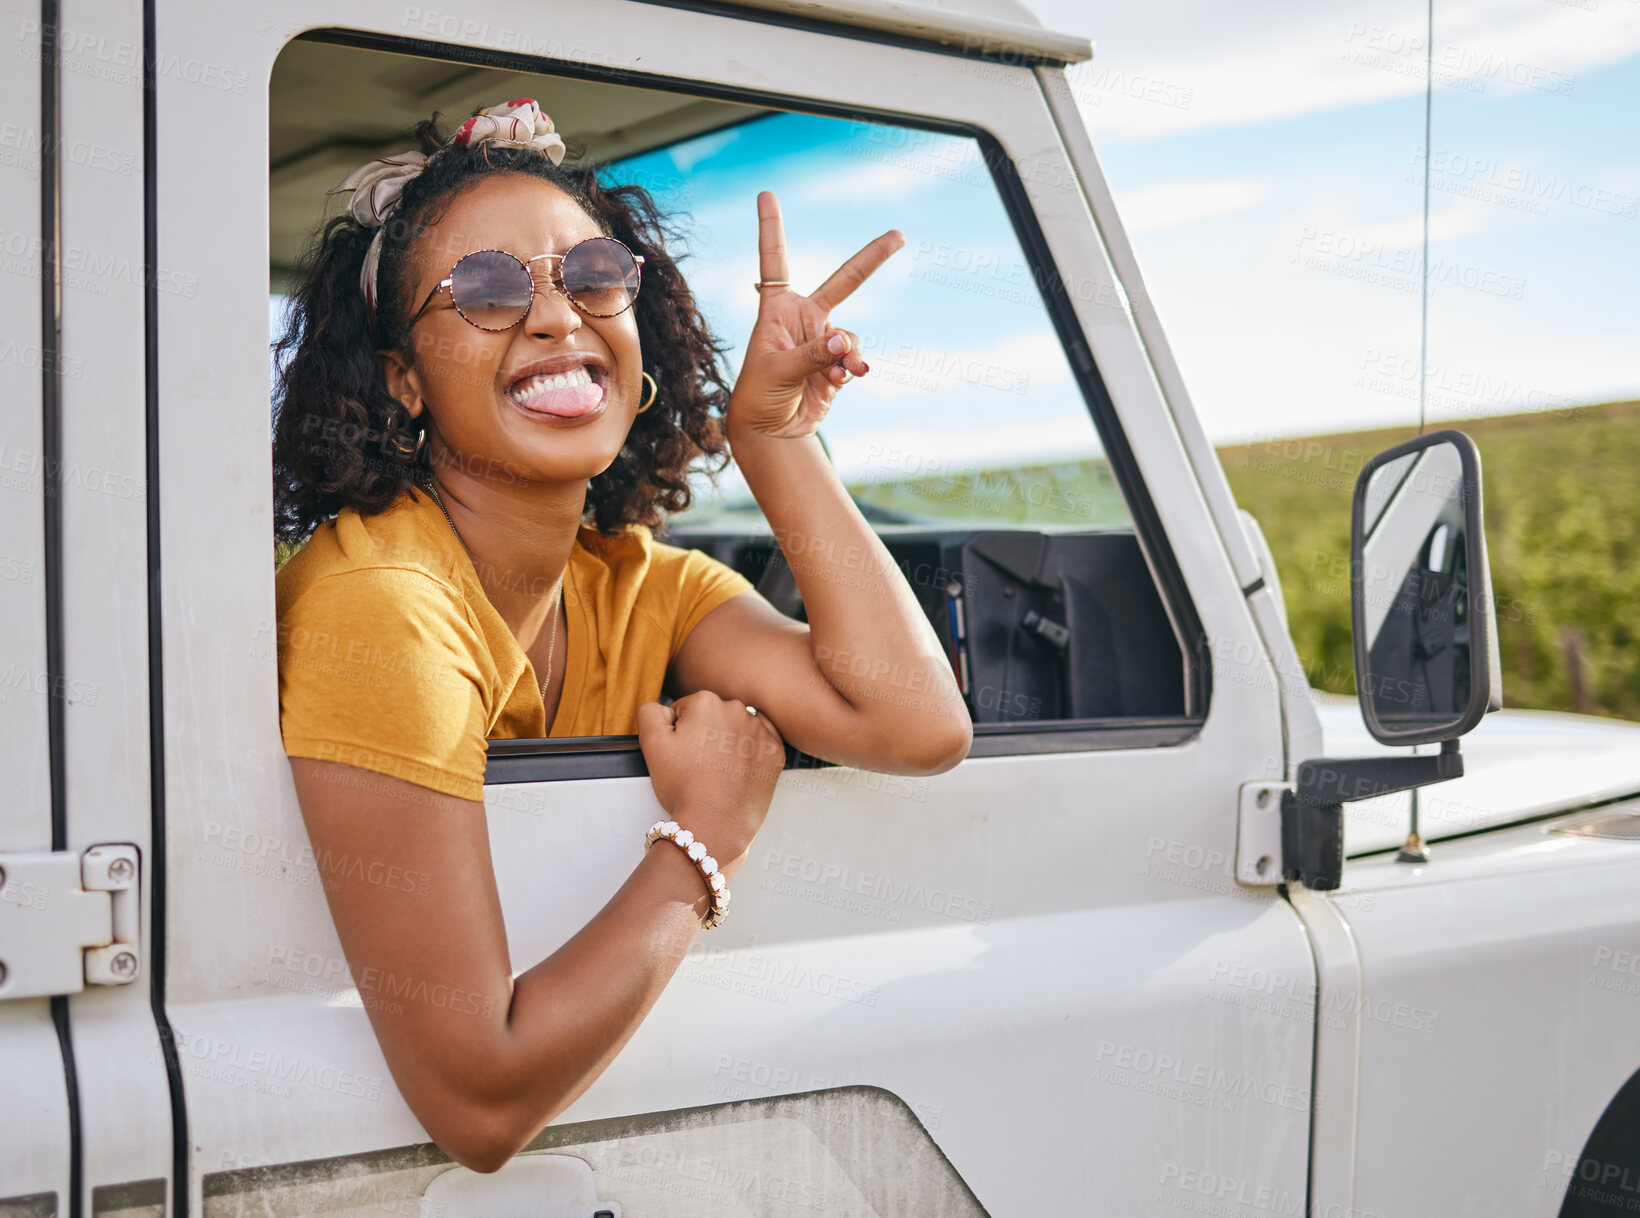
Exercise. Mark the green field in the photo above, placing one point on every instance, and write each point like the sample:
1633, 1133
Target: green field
1562, 496
1062, 494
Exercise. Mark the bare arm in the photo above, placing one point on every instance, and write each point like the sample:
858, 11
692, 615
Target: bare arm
485, 1060
866, 681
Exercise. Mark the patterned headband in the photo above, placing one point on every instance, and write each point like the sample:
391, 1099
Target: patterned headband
376, 186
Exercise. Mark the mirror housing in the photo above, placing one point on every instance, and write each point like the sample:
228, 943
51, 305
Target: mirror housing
1426, 643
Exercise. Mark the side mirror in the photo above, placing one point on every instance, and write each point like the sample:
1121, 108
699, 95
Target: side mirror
1426, 644
1426, 650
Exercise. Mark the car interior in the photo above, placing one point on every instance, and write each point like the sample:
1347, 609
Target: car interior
1045, 623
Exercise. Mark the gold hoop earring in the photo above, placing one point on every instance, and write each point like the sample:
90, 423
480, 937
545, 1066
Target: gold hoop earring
412, 453
654, 392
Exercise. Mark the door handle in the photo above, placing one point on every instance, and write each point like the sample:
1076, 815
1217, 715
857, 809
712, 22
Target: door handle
529, 1186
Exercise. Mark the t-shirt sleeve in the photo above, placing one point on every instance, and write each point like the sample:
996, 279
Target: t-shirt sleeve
380, 668
704, 583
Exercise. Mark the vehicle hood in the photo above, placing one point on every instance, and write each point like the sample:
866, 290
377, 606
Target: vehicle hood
1518, 764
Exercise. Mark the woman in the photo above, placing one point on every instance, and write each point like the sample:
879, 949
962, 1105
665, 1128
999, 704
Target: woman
490, 400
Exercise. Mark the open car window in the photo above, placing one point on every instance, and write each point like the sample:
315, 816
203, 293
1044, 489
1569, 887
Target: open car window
970, 415
971, 446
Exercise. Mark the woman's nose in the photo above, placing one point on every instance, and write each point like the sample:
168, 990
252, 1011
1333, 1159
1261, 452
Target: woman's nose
551, 314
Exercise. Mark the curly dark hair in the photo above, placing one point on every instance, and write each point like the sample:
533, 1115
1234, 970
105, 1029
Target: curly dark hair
341, 440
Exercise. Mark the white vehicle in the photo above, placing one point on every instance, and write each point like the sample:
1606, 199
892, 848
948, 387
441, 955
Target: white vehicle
1128, 958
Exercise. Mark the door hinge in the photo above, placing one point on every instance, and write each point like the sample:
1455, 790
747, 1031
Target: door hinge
1258, 833
69, 920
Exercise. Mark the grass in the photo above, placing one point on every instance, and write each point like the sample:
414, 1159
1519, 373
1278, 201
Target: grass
1080, 494
1562, 499
1561, 491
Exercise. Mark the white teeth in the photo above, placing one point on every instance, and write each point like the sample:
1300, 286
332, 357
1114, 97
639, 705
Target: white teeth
543, 383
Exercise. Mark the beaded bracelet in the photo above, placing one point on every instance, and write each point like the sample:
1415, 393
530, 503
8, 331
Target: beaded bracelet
716, 886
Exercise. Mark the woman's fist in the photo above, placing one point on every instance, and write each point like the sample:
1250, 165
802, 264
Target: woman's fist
713, 767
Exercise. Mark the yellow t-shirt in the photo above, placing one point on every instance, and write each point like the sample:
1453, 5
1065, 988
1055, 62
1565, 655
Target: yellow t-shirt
392, 659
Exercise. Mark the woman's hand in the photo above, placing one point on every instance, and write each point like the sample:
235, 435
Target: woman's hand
713, 767
795, 360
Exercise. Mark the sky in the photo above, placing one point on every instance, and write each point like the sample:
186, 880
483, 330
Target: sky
1268, 162
965, 368
1267, 159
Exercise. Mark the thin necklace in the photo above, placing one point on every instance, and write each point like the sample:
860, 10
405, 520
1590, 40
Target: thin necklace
552, 636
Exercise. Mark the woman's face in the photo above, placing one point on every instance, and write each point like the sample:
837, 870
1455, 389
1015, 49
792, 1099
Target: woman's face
491, 394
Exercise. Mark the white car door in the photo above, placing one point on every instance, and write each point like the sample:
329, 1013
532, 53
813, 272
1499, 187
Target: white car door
1028, 985
87, 1123
35, 1128
1492, 995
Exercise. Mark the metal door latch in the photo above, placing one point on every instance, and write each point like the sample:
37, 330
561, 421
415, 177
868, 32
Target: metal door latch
69, 920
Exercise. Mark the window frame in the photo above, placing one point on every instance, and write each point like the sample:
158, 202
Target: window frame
557, 759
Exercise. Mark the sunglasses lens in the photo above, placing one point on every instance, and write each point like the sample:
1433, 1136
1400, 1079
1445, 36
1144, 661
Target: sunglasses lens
492, 289
600, 276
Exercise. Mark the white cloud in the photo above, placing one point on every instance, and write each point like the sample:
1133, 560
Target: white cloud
909, 451
1309, 348
1003, 372
1165, 205
879, 181
1210, 64
1407, 233
687, 155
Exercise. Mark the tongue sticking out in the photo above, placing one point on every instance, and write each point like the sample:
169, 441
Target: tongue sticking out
569, 401
564, 396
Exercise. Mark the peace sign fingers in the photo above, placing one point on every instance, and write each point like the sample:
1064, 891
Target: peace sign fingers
857, 270
796, 358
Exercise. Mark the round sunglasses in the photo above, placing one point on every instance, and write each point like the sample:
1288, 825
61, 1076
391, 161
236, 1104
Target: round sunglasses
493, 290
